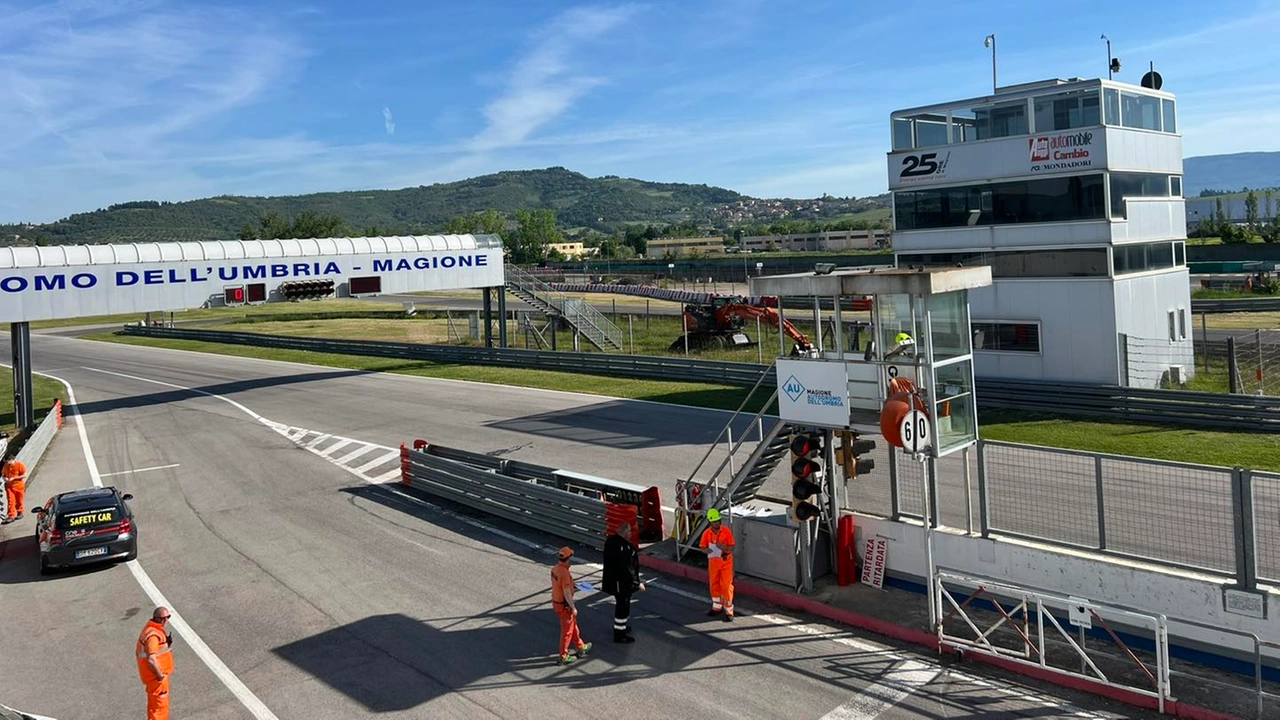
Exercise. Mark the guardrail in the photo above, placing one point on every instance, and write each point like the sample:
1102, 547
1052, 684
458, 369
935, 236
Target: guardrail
1166, 407
1235, 305
33, 449
638, 366
557, 512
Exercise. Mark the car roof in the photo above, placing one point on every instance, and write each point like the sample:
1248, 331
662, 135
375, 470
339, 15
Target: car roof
88, 497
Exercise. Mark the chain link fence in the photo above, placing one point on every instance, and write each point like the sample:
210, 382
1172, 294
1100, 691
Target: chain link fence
1266, 525
1256, 366
1158, 362
1196, 517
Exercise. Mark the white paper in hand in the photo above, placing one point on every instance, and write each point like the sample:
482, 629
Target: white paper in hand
713, 550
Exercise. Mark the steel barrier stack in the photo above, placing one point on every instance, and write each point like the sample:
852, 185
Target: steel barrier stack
584, 508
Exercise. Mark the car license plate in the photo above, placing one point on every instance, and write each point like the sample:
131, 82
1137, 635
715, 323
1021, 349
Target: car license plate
90, 552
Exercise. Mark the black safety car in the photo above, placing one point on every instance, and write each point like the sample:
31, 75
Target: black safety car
86, 526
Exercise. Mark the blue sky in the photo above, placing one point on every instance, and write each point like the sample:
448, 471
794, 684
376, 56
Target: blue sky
104, 101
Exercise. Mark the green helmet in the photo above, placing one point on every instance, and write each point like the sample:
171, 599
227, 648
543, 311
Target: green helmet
902, 339
713, 515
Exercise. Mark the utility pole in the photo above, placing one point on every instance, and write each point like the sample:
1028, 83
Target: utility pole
991, 43
1109, 63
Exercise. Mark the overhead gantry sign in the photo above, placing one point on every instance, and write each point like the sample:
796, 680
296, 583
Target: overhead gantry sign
45, 283
73, 281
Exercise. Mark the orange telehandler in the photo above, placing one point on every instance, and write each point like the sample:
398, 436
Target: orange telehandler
720, 323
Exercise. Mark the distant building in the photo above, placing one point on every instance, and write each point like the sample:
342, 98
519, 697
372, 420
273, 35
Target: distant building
831, 241
572, 250
680, 247
1203, 209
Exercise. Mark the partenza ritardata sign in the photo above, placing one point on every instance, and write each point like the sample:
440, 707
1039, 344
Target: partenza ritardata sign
49, 291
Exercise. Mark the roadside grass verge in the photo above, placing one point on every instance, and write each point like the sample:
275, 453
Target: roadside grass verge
1257, 451
44, 390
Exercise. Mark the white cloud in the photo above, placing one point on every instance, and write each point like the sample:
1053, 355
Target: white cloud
545, 83
388, 122
98, 91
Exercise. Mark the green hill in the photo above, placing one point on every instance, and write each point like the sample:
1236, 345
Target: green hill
605, 204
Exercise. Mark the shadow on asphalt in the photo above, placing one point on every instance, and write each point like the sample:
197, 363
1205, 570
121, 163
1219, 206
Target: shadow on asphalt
225, 389
391, 661
614, 425
20, 560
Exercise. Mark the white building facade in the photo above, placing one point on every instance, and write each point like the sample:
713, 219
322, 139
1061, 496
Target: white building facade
1071, 190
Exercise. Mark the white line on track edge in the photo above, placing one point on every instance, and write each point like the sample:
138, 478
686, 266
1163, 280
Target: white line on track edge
185, 631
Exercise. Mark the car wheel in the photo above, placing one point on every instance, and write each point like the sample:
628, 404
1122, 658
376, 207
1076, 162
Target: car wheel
44, 566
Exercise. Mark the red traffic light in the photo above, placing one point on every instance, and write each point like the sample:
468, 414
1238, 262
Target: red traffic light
806, 444
805, 469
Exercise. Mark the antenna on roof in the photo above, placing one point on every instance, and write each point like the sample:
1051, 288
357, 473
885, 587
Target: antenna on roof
1152, 79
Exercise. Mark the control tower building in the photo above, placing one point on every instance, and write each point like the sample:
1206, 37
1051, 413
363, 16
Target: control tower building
1071, 190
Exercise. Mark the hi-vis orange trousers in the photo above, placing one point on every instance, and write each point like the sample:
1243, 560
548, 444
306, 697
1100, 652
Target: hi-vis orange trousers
720, 576
158, 699
15, 494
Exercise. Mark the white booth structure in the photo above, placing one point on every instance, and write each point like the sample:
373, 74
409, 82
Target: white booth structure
1071, 191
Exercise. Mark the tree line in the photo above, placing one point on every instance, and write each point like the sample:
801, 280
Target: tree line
1259, 221
529, 237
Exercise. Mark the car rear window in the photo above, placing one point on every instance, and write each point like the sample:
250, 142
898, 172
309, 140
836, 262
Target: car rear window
88, 517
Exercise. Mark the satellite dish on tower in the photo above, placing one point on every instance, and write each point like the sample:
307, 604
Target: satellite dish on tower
1152, 80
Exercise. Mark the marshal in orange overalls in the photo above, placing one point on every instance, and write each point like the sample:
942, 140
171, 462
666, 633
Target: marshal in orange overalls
562, 589
717, 541
153, 642
15, 487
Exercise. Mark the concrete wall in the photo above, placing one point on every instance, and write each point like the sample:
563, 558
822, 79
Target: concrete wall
1143, 304
1151, 219
1103, 581
1077, 329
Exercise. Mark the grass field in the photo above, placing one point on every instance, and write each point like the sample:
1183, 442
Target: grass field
45, 392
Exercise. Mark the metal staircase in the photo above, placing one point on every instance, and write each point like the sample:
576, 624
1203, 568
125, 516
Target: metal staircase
580, 314
746, 482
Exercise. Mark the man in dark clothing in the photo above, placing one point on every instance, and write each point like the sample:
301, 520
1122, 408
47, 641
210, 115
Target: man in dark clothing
621, 579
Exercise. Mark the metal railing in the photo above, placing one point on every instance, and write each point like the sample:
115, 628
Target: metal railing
582, 315
1164, 407
1233, 305
1029, 643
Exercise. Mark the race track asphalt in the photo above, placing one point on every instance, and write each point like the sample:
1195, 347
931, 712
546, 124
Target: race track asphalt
322, 592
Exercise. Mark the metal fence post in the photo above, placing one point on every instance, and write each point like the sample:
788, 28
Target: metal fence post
984, 515
1101, 501
895, 506
932, 479
1242, 517
1233, 369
